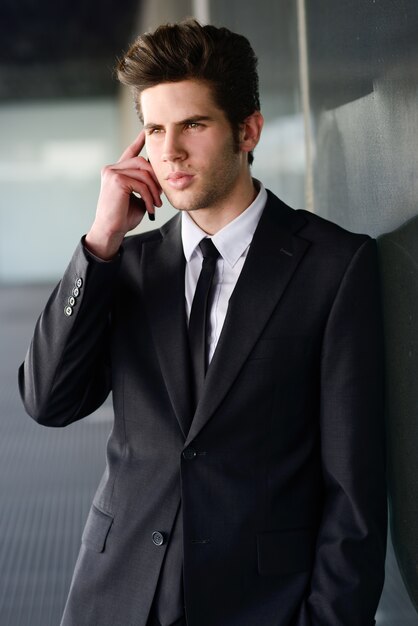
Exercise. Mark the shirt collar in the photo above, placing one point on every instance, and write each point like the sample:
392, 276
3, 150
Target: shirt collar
233, 239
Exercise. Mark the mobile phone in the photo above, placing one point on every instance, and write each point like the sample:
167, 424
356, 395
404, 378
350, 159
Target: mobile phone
151, 216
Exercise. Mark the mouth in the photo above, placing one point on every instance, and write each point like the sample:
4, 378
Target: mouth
179, 180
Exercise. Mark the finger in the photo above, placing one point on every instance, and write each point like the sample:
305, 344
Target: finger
136, 163
144, 196
144, 177
132, 184
134, 148
155, 175
137, 200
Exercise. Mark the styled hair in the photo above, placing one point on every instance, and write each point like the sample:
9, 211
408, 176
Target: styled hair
188, 50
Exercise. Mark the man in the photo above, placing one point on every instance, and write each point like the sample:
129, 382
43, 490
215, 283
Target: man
245, 470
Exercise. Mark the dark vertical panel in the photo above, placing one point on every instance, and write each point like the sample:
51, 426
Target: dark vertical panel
399, 267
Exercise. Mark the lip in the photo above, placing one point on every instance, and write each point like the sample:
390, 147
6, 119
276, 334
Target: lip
179, 180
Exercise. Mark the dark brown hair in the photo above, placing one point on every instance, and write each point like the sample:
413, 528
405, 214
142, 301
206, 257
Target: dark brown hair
188, 50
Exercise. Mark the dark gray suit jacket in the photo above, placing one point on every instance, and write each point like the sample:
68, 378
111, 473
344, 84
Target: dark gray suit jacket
281, 475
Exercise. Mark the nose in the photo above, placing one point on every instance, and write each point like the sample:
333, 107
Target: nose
173, 149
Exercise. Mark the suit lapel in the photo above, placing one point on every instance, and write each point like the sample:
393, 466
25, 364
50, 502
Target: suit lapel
164, 267
273, 257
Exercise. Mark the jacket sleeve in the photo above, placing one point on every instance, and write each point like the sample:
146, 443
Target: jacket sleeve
348, 572
66, 373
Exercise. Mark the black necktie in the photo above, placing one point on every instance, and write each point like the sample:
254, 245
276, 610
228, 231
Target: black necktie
199, 316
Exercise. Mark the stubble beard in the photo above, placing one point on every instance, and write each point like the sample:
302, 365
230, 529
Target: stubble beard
217, 185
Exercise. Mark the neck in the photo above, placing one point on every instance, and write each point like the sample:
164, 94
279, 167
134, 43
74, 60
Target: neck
212, 219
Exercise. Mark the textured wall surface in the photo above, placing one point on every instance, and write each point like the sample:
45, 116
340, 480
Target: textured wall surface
363, 66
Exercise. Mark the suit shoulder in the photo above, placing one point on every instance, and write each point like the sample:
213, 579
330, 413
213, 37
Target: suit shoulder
132, 243
325, 231
325, 236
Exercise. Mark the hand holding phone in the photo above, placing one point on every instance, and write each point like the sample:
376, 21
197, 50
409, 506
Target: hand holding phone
129, 188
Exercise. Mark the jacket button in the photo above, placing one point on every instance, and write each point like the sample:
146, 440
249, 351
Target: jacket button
157, 538
76, 292
79, 282
68, 311
71, 301
189, 454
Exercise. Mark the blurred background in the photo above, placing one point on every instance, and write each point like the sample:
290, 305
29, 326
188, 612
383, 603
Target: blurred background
339, 92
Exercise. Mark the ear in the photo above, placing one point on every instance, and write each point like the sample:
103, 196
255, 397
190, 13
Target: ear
250, 131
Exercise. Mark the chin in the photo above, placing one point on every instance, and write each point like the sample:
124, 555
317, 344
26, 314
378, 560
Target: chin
180, 203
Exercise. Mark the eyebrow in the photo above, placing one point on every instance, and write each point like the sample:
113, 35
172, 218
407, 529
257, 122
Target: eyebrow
189, 120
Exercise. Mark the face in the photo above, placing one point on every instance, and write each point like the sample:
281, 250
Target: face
190, 145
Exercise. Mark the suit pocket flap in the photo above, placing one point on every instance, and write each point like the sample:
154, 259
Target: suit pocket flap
286, 551
96, 529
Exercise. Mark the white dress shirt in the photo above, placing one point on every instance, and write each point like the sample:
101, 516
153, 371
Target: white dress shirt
233, 242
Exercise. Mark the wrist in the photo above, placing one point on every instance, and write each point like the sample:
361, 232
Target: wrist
103, 245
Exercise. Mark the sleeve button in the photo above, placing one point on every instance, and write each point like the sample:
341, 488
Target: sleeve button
79, 282
68, 311
71, 301
76, 292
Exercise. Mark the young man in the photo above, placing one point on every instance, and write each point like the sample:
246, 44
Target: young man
242, 342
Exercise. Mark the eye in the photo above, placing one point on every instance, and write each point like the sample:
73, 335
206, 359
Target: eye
193, 125
155, 131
